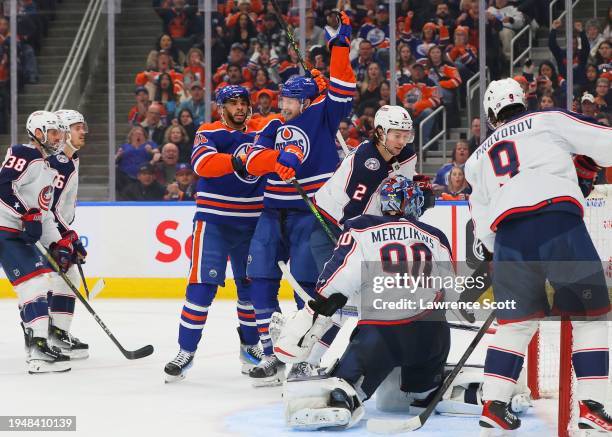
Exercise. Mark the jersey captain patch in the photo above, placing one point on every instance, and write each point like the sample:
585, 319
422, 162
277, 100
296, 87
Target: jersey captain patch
293, 135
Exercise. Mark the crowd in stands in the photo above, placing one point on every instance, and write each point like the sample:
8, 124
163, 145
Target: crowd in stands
437, 52
33, 18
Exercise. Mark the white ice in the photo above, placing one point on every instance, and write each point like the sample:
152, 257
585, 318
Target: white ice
111, 396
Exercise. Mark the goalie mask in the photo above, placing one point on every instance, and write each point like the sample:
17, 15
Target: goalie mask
401, 196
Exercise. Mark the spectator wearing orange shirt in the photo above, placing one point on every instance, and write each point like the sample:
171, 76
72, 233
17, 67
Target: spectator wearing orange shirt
462, 53
164, 65
447, 78
420, 96
237, 56
234, 76
177, 18
139, 110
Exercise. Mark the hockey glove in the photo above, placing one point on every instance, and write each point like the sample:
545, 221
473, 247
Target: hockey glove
239, 165
32, 225
341, 36
289, 161
79, 253
301, 330
424, 183
62, 253
586, 170
319, 80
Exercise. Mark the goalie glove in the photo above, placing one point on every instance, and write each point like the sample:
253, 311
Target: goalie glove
299, 333
586, 170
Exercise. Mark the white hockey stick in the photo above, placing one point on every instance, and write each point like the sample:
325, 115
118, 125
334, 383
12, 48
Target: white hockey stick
346, 310
340, 139
97, 288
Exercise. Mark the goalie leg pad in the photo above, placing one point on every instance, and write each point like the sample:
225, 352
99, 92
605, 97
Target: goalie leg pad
33, 304
309, 404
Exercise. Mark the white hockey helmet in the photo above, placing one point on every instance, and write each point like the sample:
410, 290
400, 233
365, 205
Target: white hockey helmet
393, 117
501, 94
68, 117
45, 121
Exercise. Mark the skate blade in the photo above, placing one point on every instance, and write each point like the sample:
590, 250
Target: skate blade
78, 354
271, 381
247, 367
168, 379
39, 366
316, 418
496, 432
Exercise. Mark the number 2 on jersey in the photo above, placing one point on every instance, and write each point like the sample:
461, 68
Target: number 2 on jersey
504, 159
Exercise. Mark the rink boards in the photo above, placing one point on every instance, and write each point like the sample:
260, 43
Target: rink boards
143, 249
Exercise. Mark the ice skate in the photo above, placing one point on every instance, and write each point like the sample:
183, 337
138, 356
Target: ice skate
270, 372
177, 368
68, 344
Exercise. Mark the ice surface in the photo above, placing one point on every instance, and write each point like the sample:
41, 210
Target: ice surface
111, 396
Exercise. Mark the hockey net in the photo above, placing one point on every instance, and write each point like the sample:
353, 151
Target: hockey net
549, 369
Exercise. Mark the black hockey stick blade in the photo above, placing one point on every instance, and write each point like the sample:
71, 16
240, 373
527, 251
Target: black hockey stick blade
386, 426
144, 351
130, 355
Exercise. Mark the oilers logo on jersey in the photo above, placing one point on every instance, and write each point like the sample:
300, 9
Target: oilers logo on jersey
243, 149
200, 139
45, 197
295, 136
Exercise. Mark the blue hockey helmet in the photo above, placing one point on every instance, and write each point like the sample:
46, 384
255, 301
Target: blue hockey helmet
300, 87
232, 92
399, 194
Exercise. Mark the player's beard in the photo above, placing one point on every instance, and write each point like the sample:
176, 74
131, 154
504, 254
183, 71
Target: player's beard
233, 118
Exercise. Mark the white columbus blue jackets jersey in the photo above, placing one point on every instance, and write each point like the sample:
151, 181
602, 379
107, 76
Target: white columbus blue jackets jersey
384, 245
66, 187
26, 181
526, 165
353, 188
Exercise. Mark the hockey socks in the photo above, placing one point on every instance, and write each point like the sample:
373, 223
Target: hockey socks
504, 361
61, 310
264, 295
246, 313
194, 314
590, 357
33, 305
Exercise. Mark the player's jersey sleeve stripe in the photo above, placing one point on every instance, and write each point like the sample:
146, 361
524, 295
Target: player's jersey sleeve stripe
229, 198
257, 206
339, 99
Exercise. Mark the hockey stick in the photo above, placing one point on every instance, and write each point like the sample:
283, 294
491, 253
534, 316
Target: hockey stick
291, 38
314, 210
83, 279
386, 426
97, 288
130, 355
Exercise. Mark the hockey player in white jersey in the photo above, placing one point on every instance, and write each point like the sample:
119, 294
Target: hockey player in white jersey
61, 297
372, 247
527, 208
26, 195
353, 190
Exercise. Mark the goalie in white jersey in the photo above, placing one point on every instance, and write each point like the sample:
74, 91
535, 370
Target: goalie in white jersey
61, 297
26, 195
372, 247
527, 208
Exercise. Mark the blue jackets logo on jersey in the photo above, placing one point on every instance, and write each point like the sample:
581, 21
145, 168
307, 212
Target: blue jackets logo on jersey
45, 197
242, 149
292, 135
372, 164
62, 158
